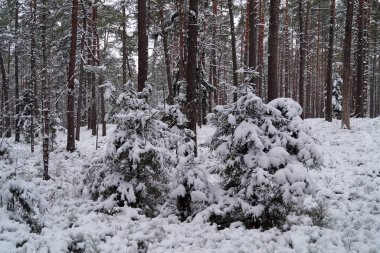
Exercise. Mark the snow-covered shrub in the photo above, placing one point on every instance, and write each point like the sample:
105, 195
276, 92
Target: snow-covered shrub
25, 120
5, 151
266, 149
337, 98
190, 188
22, 200
138, 158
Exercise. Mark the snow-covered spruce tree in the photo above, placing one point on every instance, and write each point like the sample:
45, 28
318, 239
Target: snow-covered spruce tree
26, 104
190, 188
137, 162
5, 151
190, 192
21, 201
266, 149
337, 98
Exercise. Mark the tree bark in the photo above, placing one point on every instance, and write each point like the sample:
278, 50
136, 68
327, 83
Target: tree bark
124, 42
101, 89
214, 79
328, 109
7, 116
260, 53
233, 46
308, 60
359, 98
366, 49
82, 78
272, 49
45, 94
94, 109
71, 76
167, 55
33, 71
286, 28
142, 45
346, 65
17, 88
252, 41
191, 101
301, 83
181, 40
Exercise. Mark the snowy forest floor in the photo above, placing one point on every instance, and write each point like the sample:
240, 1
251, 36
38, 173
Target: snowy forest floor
348, 189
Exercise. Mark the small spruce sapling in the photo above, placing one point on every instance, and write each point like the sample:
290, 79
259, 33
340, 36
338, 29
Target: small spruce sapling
266, 150
137, 158
337, 98
189, 188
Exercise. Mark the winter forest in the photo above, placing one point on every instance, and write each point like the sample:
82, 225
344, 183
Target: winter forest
189, 126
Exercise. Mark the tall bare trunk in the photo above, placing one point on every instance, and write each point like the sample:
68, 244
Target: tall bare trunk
5, 88
301, 84
33, 71
124, 42
252, 40
17, 88
286, 67
214, 78
307, 59
167, 56
260, 53
181, 40
82, 78
191, 100
272, 49
346, 66
70, 87
45, 94
359, 96
142, 45
366, 50
328, 109
94, 106
233, 46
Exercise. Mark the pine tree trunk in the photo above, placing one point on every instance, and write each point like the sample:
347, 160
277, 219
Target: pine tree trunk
124, 42
167, 56
89, 82
308, 60
301, 83
94, 107
372, 103
260, 53
33, 64
81, 75
214, 78
71, 75
346, 66
142, 45
359, 96
328, 109
366, 50
33, 71
233, 47
272, 49
191, 100
17, 88
45, 94
6, 110
286, 28
101, 88
181, 40
252, 41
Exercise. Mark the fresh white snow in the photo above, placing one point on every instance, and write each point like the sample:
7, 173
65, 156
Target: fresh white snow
348, 189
